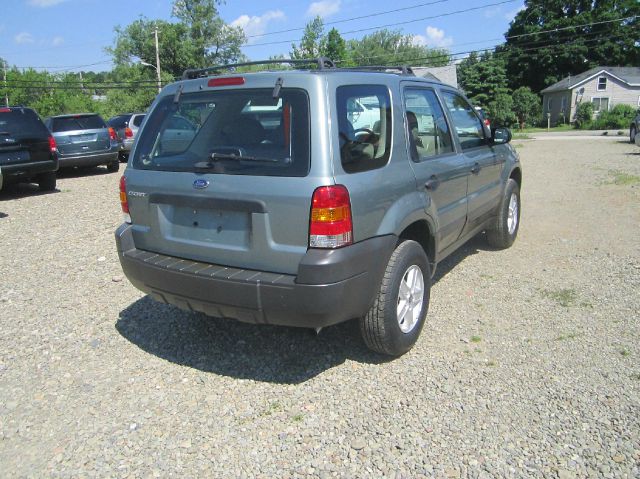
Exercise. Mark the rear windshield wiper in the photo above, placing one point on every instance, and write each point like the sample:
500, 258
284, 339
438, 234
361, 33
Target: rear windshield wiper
215, 157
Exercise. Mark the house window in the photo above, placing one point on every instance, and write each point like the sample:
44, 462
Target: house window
549, 104
600, 104
563, 104
602, 83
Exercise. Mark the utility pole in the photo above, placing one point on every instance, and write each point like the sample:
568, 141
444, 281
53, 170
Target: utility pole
158, 60
6, 91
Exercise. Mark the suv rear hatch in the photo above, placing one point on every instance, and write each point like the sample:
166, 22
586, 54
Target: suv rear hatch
23, 137
80, 134
221, 176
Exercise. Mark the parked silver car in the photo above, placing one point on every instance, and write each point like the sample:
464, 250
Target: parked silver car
126, 127
84, 140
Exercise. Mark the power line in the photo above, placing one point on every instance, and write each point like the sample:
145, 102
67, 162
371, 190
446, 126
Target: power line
335, 22
448, 14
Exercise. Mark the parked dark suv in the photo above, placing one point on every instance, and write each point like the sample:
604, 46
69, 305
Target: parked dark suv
27, 149
283, 204
84, 140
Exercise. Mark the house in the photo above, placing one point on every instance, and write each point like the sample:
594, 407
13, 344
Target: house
602, 86
447, 74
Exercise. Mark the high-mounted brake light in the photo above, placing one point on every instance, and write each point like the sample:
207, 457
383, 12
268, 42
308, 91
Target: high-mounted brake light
330, 225
128, 132
124, 202
227, 81
53, 147
112, 134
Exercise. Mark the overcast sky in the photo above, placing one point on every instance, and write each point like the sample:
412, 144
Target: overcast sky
72, 34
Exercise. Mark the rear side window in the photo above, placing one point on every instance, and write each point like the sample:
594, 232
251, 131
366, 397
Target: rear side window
137, 120
364, 126
467, 125
237, 132
427, 127
21, 123
77, 122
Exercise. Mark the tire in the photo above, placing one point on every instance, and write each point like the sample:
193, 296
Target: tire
632, 134
507, 222
123, 157
114, 166
47, 181
385, 329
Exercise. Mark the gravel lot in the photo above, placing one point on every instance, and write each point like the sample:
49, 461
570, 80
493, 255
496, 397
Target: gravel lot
529, 365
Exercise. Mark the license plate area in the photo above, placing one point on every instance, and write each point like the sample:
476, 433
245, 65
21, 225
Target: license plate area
205, 226
84, 138
14, 157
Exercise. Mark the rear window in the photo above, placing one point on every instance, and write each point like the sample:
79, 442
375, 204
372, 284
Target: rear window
119, 121
78, 122
236, 132
21, 123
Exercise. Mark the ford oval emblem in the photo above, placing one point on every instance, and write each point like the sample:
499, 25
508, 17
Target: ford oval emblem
200, 184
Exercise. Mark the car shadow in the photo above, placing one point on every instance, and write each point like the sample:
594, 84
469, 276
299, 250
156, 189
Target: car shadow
82, 171
274, 354
14, 191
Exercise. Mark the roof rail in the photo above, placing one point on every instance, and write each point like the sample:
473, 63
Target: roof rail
403, 69
321, 62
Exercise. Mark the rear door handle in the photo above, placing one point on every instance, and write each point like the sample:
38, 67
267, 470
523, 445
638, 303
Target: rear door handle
476, 168
432, 183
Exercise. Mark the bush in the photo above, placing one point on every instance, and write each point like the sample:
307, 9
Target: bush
620, 116
584, 115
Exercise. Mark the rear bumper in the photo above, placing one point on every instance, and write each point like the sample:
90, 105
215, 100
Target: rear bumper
28, 170
89, 159
331, 285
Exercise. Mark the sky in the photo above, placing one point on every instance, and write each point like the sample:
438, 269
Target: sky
71, 35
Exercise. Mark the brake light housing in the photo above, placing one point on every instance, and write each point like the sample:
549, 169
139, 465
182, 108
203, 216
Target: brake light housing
112, 134
53, 147
226, 81
128, 132
124, 202
330, 224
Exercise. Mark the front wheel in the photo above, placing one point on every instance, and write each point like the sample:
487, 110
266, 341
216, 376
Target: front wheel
504, 232
47, 181
394, 322
114, 166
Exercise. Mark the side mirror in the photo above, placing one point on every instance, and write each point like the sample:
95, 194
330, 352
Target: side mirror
500, 136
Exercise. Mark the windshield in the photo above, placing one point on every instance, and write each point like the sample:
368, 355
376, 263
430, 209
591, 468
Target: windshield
245, 132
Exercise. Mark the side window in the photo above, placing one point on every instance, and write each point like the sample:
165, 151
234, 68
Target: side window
427, 127
364, 126
467, 125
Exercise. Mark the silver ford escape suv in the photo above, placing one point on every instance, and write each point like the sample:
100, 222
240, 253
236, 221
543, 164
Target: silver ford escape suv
313, 196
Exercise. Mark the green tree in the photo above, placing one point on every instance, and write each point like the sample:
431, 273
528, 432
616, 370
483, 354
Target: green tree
483, 78
387, 47
500, 110
526, 106
310, 45
334, 47
545, 42
584, 115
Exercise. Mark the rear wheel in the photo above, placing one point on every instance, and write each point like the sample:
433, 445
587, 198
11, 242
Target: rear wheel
507, 223
394, 322
632, 134
113, 166
47, 181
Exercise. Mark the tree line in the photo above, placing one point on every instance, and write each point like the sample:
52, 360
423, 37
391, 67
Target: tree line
547, 41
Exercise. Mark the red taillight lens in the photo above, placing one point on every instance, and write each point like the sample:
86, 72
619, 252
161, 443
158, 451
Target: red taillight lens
330, 225
124, 203
112, 134
128, 133
228, 81
5, 110
52, 144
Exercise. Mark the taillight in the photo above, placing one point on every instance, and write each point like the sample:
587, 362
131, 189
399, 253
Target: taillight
112, 134
226, 81
330, 225
52, 145
124, 203
128, 133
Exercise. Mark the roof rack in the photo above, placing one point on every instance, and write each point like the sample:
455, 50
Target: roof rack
403, 69
321, 62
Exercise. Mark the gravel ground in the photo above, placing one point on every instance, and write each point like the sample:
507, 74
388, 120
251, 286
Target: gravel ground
529, 365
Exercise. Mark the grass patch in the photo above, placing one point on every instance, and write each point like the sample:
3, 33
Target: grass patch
621, 178
297, 418
476, 339
564, 297
491, 364
624, 353
562, 337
